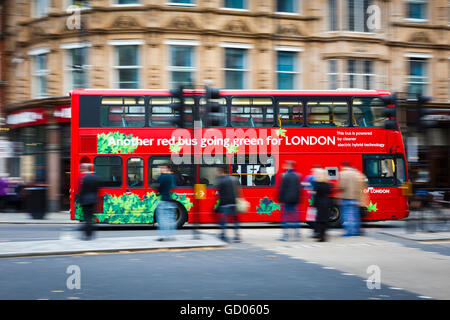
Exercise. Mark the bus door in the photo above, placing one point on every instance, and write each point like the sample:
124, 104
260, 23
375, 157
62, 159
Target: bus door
385, 174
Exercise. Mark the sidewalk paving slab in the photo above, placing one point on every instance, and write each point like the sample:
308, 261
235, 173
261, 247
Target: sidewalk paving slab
418, 235
62, 217
72, 246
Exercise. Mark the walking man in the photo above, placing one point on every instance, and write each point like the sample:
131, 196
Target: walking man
88, 196
228, 192
165, 212
351, 185
290, 197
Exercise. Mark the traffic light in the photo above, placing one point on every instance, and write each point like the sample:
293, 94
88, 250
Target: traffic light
390, 111
178, 107
422, 113
214, 116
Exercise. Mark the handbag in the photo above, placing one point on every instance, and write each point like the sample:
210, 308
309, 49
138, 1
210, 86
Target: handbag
242, 205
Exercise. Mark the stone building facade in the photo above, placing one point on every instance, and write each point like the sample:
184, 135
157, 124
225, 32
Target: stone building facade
398, 45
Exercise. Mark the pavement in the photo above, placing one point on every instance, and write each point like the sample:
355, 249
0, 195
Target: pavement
70, 243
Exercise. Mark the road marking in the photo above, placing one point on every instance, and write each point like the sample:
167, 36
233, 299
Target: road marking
424, 297
329, 268
395, 288
348, 274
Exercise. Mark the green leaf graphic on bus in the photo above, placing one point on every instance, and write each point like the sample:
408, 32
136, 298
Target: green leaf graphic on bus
115, 142
267, 206
130, 208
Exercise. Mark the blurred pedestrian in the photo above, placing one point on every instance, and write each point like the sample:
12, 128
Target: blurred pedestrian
166, 210
351, 185
3, 193
88, 197
322, 203
228, 189
309, 184
289, 197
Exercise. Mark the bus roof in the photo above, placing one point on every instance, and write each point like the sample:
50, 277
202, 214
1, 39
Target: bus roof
339, 92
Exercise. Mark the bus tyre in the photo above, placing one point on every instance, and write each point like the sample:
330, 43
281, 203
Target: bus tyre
181, 215
335, 220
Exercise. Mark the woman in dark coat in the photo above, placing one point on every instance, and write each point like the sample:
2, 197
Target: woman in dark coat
322, 203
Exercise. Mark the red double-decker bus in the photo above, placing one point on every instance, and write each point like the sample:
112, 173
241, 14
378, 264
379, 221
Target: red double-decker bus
127, 134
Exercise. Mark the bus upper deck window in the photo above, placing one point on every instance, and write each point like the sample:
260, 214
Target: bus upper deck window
123, 112
252, 112
327, 114
290, 114
368, 112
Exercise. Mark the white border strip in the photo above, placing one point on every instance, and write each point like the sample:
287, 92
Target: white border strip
418, 55
236, 45
126, 42
289, 48
75, 45
182, 42
38, 51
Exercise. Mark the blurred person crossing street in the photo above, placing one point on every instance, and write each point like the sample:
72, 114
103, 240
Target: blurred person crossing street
289, 196
322, 202
165, 212
228, 189
88, 197
351, 184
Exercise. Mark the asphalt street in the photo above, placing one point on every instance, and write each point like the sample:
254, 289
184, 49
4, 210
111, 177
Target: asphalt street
260, 268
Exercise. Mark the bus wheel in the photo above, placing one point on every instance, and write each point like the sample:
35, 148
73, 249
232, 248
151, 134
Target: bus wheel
335, 218
181, 215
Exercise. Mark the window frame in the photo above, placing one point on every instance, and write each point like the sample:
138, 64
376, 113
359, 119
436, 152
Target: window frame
273, 182
425, 11
425, 83
115, 44
297, 4
274, 106
296, 73
298, 99
121, 170
68, 66
333, 99
38, 74
109, 106
162, 156
191, 69
352, 113
143, 172
379, 157
245, 71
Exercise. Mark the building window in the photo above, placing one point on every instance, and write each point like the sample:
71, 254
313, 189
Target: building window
416, 9
76, 68
181, 2
287, 70
418, 77
127, 67
182, 66
235, 4
333, 74
360, 74
357, 15
40, 8
235, 68
289, 6
125, 2
40, 73
332, 15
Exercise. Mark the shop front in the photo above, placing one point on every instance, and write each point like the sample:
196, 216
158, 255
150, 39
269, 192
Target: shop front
40, 140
